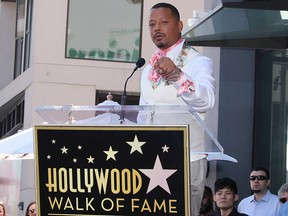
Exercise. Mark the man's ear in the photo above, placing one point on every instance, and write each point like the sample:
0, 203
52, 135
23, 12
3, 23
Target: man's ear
180, 26
214, 198
268, 182
236, 197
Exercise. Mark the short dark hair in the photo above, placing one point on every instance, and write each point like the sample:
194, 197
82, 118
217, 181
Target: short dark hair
172, 8
226, 183
262, 169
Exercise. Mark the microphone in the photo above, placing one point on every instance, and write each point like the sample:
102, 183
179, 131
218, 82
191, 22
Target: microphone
140, 62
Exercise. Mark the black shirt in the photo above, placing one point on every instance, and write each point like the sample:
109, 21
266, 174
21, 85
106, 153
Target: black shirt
233, 213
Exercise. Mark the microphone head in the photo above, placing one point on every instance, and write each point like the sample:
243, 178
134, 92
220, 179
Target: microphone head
140, 62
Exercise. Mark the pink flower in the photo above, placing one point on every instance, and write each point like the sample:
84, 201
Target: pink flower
153, 76
186, 86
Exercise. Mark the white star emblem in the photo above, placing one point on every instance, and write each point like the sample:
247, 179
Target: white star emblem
64, 150
165, 148
79, 147
136, 145
74, 160
53, 141
90, 159
48, 157
110, 154
158, 176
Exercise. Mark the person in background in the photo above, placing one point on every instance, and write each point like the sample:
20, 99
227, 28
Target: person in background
262, 201
178, 75
226, 195
2, 210
31, 209
283, 197
207, 208
283, 193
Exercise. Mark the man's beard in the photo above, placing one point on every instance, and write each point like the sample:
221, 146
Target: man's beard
160, 45
256, 191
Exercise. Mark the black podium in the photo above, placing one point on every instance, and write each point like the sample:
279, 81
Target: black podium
119, 160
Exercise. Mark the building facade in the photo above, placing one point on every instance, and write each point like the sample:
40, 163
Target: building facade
37, 68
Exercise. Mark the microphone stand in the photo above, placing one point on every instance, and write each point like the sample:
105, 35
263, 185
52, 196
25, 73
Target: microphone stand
124, 97
140, 62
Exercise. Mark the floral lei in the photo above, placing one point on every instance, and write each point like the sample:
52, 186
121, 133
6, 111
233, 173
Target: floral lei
180, 61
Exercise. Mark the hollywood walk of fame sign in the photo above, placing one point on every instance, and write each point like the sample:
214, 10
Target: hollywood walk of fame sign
112, 170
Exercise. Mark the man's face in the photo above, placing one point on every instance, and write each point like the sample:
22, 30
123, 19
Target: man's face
165, 29
225, 198
258, 181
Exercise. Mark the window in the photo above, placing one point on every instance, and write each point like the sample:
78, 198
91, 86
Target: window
23, 36
271, 117
110, 30
27, 40
12, 116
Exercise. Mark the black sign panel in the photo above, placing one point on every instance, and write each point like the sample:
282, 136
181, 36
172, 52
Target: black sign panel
112, 170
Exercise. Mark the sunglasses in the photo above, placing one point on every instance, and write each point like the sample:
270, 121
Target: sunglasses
283, 200
253, 178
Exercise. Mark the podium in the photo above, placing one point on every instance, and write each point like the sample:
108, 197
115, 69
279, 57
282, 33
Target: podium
119, 160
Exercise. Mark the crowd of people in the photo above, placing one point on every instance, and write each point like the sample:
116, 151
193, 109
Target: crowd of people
261, 202
224, 200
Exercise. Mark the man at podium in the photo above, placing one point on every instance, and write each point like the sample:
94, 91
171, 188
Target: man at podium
178, 75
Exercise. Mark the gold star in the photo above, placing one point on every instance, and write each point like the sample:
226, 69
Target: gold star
136, 145
90, 159
110, 154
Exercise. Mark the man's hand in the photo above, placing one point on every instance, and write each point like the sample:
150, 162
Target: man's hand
167, 69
